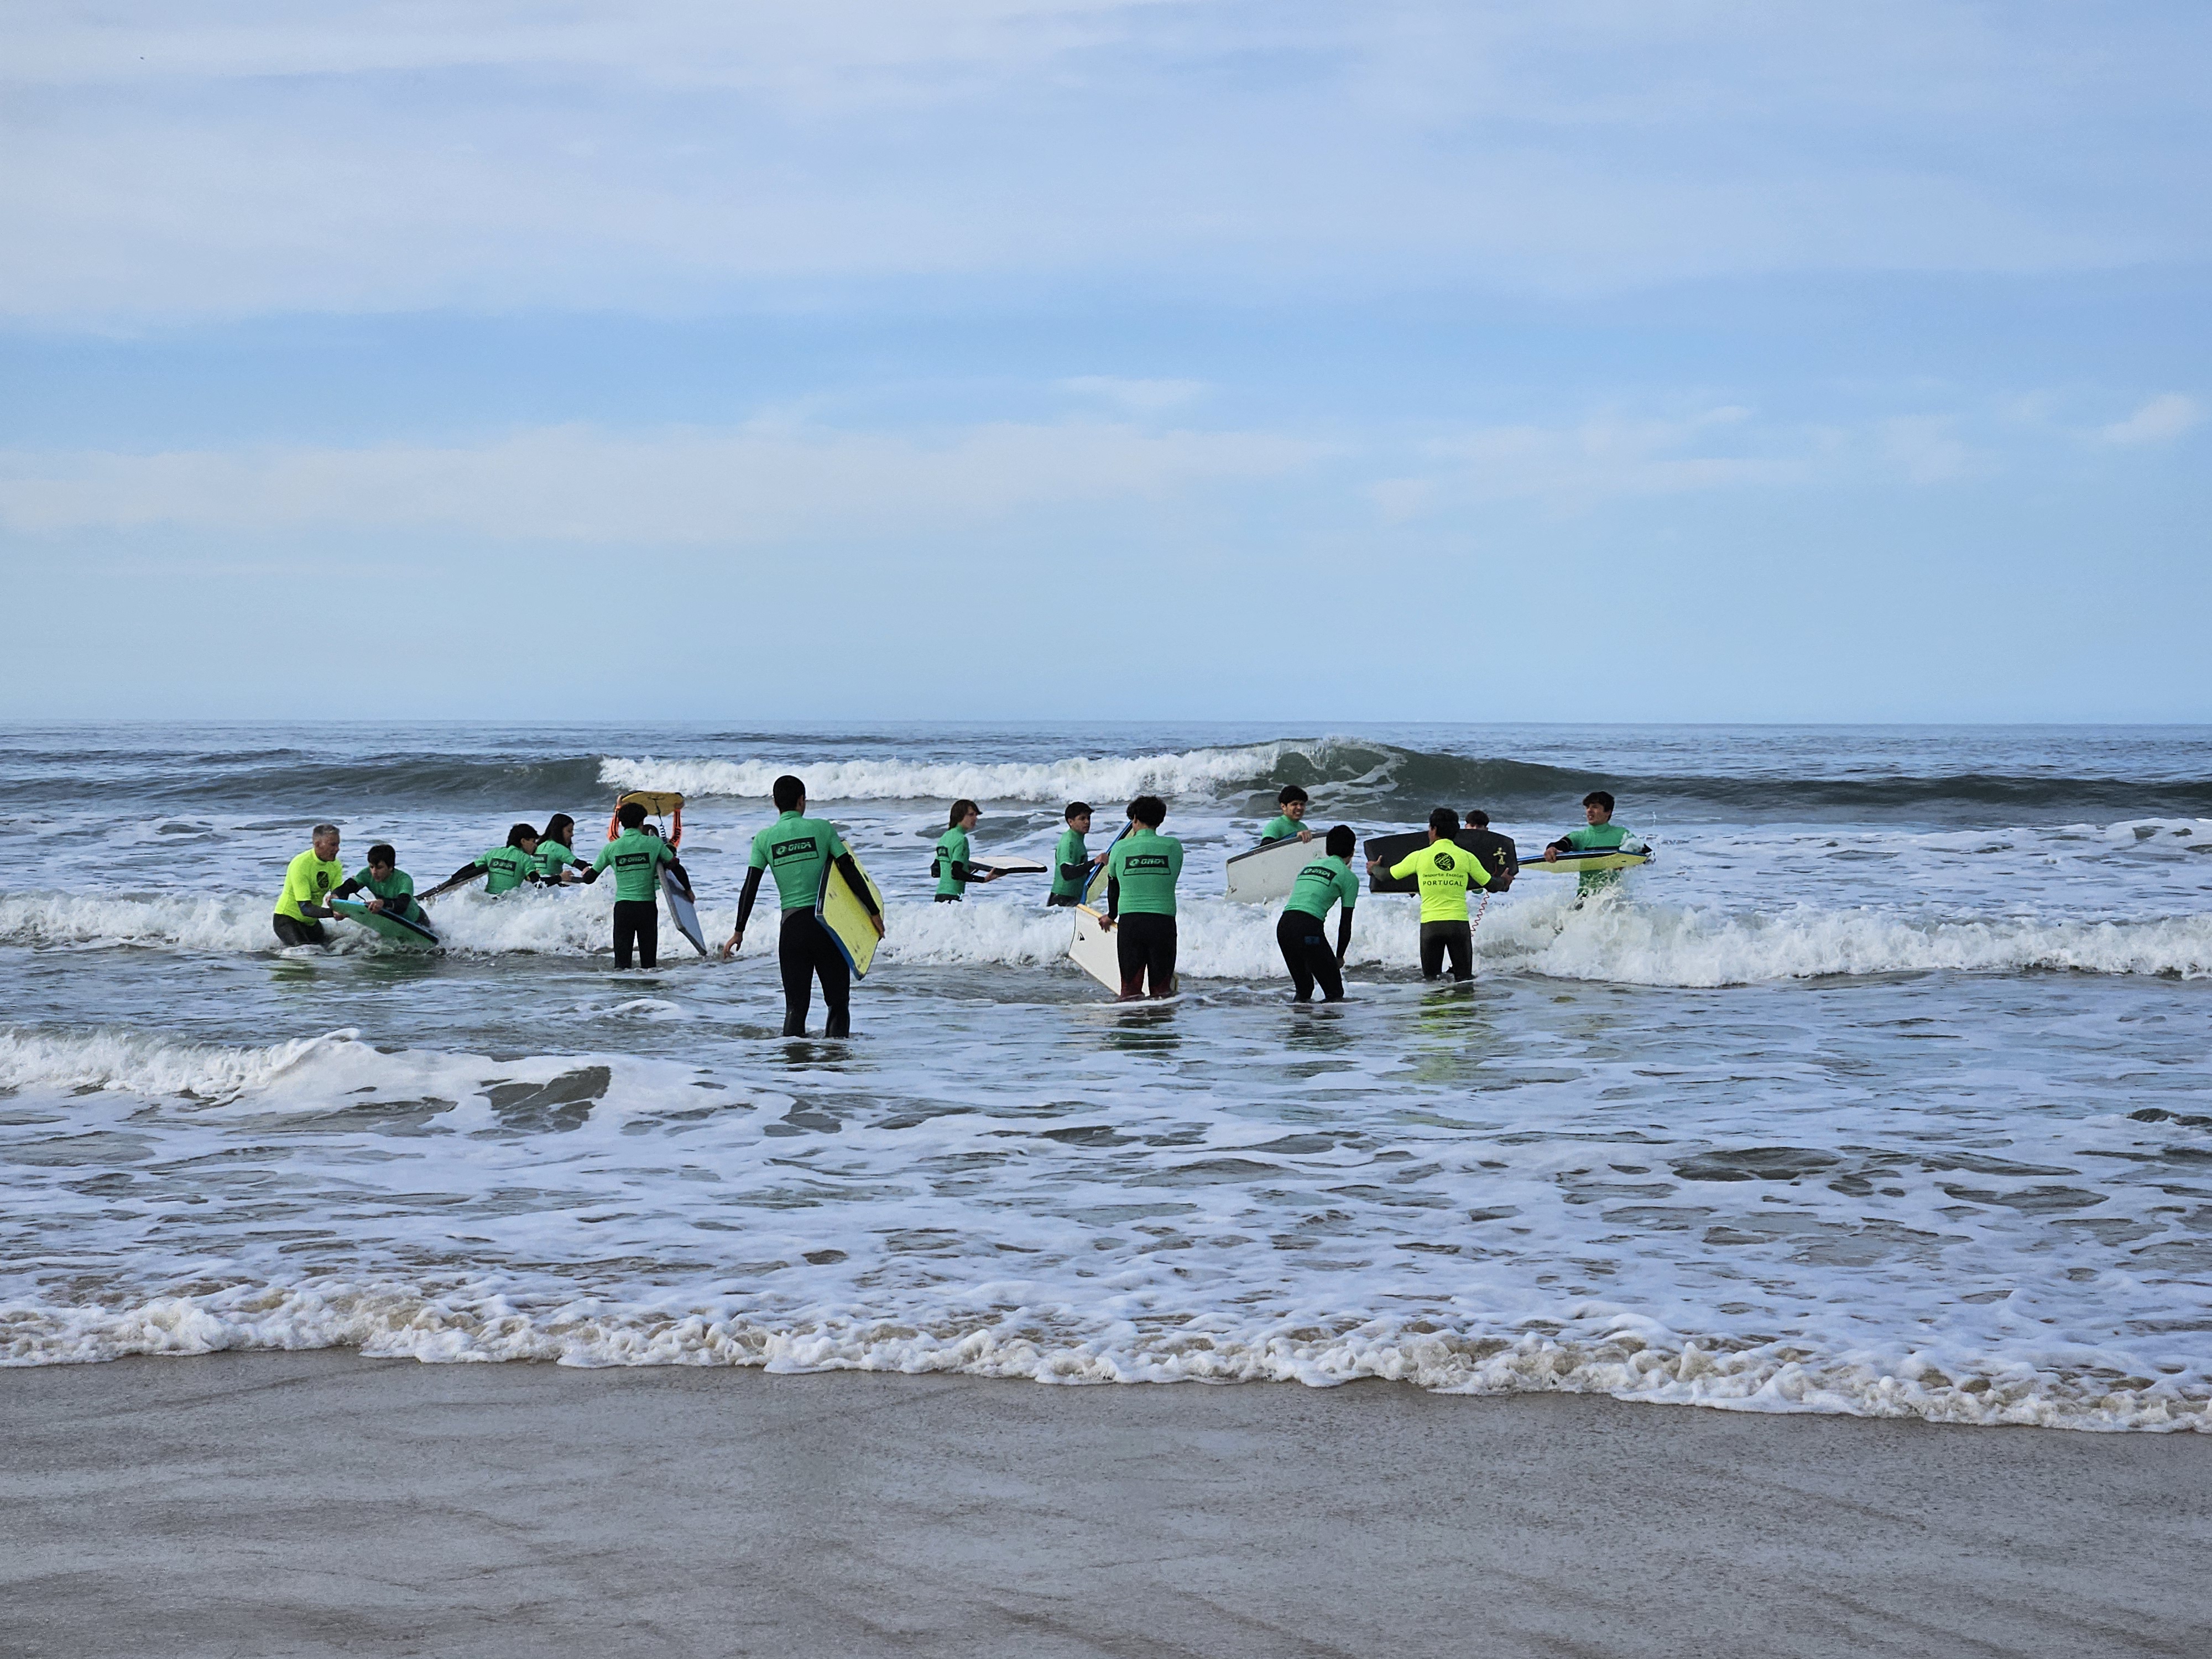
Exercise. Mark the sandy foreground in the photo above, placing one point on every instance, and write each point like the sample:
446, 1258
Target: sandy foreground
323, 1504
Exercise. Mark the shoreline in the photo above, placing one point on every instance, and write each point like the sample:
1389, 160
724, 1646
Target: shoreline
321, 1503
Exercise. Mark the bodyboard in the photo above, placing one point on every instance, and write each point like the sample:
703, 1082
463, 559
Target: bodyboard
1008, 867
840, 911
657, 802
1495, 851
396, 928
1093, 950
1267, 873
1581, 864
682, 911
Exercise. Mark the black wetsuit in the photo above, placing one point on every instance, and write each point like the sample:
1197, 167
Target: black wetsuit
637, 921
1304, 941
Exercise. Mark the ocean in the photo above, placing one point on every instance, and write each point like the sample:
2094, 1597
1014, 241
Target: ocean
1883, 1090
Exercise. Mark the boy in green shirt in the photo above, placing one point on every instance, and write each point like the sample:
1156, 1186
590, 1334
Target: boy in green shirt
508, 866
1599, 835
308, 882
1073, 861
1290, 821
797, 851
1445, 871
1141, 870
388, 886
557, 850
1299, 932
635, 858
950, 865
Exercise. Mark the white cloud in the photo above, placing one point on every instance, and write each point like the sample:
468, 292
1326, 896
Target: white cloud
1607, 455
2164, 417
1137, 397
748, 486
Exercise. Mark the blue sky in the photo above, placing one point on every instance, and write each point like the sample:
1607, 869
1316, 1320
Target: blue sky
1070, 358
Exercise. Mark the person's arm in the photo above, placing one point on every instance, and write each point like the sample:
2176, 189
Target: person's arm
1113, 898
1343, 933
683, 876
347, 888
744, 911
472, 868
1402, 868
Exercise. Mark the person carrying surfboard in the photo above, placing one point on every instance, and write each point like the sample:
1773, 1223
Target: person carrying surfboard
308, 882
1073, 861
1141, 870
795, 849
555, 853
1299, 932
388, 886
1445, 871
950, 865
1290, 820
1599, 835
635, 858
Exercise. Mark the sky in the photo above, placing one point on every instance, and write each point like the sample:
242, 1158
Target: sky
1649, 359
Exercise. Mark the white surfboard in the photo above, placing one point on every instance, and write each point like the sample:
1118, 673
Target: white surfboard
1267, 873
1093, 950
682, 912
1008, 867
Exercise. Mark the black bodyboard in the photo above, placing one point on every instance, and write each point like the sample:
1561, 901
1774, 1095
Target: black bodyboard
1496, 852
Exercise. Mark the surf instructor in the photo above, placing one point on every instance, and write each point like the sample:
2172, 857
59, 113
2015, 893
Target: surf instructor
309, 880
1445, 871
796, 850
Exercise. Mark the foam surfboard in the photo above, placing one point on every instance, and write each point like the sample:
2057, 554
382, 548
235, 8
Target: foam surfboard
1495, 851
1579, 863
1092, 950
1008, 867
682, 911
1267, 873
397, 929
839, 909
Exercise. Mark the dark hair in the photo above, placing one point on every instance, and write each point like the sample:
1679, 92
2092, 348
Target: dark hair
561, 828
1077, 809
961, 809
1598, 798
1149, 810
1289, 793
519, 834
1443, 820
382, 853
1477, 818
630, 814
787, 792
1341, 842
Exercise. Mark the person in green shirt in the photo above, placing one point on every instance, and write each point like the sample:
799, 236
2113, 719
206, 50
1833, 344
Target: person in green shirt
636, 857
1141, 870
798, 850
1446, 871
1599, 834
309, 880
508, 866
555, 851
1290, 820
1300, 932
951, 865
388, 886
1073, 861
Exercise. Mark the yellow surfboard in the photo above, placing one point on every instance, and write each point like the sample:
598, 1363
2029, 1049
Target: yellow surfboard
838, 908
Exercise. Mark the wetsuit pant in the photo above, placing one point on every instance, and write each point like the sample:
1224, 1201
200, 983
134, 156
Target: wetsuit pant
637, 921
1146, 946
1440, 937
291, 930
803, 950
1304, 941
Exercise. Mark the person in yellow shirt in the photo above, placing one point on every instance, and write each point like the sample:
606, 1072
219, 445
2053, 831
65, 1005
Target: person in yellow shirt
309, 880
1446, 871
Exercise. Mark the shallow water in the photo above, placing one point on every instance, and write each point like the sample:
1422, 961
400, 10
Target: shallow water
1883, 1090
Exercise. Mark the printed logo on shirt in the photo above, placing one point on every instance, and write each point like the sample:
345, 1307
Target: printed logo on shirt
1444, 861
624, 860
1145, 861
804, 848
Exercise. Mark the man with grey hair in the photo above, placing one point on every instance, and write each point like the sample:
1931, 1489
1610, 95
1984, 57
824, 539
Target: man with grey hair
307, 883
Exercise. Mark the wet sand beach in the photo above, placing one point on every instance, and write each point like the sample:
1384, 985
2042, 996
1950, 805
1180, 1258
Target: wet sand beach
323, 1504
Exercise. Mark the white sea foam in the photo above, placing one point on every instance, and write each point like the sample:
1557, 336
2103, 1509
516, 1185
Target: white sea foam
148, 1065
1105, 780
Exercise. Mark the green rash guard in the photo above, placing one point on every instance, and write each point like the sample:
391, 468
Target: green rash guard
1281, 828
636, 859
951, 854
396, 889
553, 858
307, 880
1145, 865
1321, 884
1446, 870
1607, 837
1073, 850
509, 867
795, 851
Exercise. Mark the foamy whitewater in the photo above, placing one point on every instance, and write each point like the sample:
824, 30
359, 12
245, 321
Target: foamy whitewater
1883, 1090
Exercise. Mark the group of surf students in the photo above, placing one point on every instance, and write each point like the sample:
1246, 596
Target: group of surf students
1141, 869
